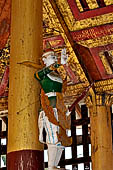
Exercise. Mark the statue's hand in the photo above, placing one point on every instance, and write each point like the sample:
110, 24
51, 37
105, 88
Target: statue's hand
64, 56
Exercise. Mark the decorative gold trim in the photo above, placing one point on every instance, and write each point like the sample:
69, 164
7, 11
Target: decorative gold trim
105, 63
105, 86
102, 99
92, 22
92, 4
108, 39
79, 5
88, 101
108, 2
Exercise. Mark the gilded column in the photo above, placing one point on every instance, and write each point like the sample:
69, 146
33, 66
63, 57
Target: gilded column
24, 150
101, 131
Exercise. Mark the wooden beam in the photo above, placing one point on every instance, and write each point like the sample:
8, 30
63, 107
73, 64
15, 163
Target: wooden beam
84, 112
3, 149
83, 121
101, 133
78, 110
74, 137
3, 134
89, 62
76, 161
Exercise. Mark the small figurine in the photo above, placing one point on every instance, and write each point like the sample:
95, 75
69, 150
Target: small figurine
54, 116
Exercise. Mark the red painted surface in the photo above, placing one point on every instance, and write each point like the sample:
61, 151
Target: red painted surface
5, 20
92, 33
95, 54
4, 82
25, 160
93, 63
55, 42
89, 62
88, 14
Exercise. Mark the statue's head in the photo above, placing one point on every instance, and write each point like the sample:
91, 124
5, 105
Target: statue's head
49, 57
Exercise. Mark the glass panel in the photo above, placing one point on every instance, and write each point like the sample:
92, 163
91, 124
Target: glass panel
89, 149
79, 130
3, 160
45, 156
68, 153
90, 166
80, 166
69, 167
79, 151
3, 141
68, 132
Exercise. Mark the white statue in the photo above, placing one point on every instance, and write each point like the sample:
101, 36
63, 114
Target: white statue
51, 84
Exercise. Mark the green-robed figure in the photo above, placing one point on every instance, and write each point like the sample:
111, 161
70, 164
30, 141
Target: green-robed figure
54, 116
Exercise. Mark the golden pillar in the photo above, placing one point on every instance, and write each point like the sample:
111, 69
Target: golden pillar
101, 131
24, 150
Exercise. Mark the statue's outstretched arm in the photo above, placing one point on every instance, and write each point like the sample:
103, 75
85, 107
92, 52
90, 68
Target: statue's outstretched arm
46, 70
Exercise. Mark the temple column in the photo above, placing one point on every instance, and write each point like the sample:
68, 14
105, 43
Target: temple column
24, 150
101, 131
